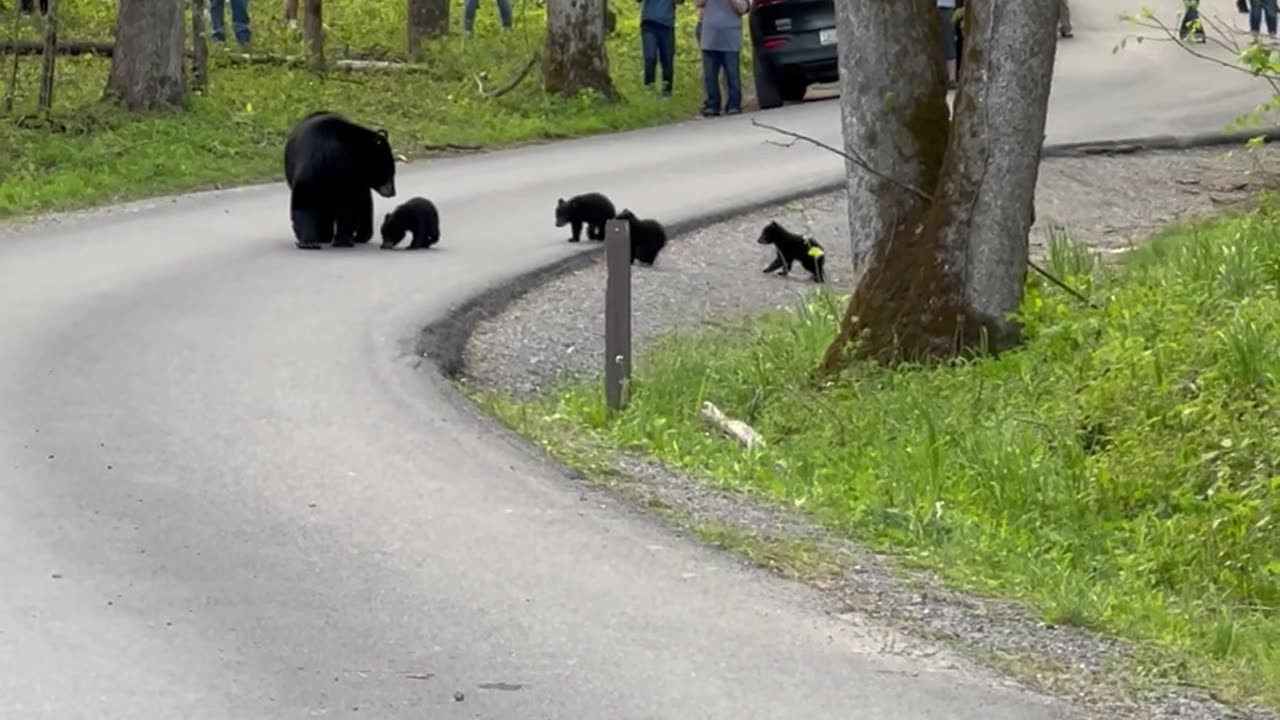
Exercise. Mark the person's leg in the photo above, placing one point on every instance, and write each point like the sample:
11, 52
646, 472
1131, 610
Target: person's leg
667, 56
216, 18
711, 82
1255, 17
469, 14
1064, 19
504, 13
733, 82
649, 50
240, 20
1269, 8
947, 26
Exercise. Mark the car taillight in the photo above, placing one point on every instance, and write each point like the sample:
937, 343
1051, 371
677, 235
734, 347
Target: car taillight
773, 43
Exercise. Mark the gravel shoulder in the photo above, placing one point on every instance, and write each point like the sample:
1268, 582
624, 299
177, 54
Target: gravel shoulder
555, 332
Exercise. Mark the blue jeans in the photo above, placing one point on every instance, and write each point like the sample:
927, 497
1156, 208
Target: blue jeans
239, 20
713, 61
1256, 10
658, 43
469, 13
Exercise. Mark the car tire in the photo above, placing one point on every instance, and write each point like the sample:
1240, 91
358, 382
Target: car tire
768, 92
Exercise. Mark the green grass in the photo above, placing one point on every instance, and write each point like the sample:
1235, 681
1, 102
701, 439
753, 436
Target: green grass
90, 153
1120, 473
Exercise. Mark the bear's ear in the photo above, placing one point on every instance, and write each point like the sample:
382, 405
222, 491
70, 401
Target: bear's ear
382, 132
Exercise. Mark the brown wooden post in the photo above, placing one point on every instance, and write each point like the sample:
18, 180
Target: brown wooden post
50, 59
313, 29
617, 313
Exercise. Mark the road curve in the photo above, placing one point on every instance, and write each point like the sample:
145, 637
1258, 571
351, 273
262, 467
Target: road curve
228, 491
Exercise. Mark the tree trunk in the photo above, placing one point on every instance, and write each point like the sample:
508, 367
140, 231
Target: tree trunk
427, 18
146, 66
50, 59
943, 282
313, 29
576, 58
199, 47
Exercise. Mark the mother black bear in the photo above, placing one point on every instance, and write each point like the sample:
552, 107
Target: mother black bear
330, 165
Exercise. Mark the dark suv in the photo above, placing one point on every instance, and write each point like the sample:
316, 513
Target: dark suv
793, 45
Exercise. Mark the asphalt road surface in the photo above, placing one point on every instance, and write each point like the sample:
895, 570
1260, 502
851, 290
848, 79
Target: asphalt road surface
226, 491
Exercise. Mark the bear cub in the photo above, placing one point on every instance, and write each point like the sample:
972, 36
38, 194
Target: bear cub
648, 237
415, 215
590, 209
792, 248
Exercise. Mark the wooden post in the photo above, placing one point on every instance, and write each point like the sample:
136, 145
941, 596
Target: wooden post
50, 59
617, 313
199, 48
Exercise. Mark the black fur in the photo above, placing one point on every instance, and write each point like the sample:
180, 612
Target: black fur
591, 209
415, 215
648, 237
330, 165
792, 248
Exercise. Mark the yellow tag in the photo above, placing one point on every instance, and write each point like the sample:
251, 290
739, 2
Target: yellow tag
815, 252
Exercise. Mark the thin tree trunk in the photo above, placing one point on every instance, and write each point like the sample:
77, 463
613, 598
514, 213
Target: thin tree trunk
944, 282
313, 29
50, 59
146, 65
199, 47
576, 58
11, 92
427, 18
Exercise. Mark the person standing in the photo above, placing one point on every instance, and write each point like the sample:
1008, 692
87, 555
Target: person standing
658, 40
239, 20
469, 14
1064, 19
1257, 9
947, 23
721, 41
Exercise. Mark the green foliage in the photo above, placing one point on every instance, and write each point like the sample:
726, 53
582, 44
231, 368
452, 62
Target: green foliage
1121, 471
88, 152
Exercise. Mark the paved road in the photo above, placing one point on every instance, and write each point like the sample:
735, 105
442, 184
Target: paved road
225, 492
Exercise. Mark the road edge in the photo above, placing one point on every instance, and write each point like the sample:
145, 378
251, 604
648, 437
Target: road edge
444, 341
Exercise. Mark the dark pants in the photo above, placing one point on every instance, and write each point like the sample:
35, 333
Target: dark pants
1189, 29
239, 20
469, 13
713, 61
658, 43
1257, 8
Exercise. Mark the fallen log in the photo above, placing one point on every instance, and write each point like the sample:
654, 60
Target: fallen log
106, 49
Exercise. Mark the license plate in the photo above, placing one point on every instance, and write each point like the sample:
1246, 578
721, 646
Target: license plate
827, 37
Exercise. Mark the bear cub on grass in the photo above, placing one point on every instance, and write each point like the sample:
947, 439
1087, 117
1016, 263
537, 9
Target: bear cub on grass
648, 237
591, 209
791, 248
416, 215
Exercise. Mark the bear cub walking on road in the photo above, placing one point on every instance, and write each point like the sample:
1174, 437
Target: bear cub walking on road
591, 209
415, 215
791, 248
648, 237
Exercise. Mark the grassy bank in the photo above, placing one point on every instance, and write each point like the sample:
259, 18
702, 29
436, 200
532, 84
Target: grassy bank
1120, 473
234, 133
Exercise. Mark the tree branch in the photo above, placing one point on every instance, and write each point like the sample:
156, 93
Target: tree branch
846, 154
519, 77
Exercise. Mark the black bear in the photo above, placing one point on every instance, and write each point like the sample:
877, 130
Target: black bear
648, 237
591, 209
791, 248
417, 216
330, 165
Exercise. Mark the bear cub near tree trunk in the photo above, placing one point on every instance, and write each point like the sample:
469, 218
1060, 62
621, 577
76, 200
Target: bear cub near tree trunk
791, 248
416, 215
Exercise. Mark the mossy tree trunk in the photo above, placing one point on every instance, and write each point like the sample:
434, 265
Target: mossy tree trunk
575, 57
427, 18
147, 63
951, 263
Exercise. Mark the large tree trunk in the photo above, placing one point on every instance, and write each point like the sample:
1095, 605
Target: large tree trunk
576, 58
199, 47
893, 112
944, 282
427, 18
146, 66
